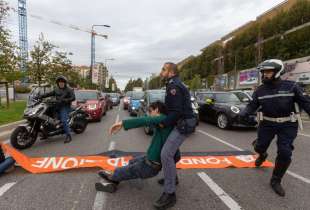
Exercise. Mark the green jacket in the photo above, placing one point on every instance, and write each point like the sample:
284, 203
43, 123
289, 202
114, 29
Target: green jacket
159, 137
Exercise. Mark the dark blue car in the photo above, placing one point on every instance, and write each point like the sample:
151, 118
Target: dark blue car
135, 102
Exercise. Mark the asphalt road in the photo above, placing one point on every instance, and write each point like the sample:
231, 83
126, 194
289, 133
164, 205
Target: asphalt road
198, 189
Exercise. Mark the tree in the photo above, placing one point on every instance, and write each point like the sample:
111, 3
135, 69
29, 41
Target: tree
41, 60
8, 50
195, 83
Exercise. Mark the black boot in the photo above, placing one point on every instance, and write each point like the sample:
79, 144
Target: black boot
109, 187
68, 139
278, 172
261, 159
165, 201
162, 181
106, 176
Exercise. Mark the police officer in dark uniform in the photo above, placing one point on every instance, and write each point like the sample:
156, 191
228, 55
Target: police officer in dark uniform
64, 95
180, 115
278, 102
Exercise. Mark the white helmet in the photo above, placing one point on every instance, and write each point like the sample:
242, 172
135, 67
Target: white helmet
273, 64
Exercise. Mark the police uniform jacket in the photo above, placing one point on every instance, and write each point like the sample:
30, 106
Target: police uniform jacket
277, 100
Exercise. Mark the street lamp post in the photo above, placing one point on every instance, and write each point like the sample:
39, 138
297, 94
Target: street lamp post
93, 58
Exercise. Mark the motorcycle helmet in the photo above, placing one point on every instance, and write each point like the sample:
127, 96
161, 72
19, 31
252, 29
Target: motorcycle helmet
277, 66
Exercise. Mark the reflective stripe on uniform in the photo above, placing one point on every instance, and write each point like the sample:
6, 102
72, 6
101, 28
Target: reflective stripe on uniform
276, 95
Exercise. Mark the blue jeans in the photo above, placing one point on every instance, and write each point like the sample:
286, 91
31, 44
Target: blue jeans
137, 168
64, 116
7, 163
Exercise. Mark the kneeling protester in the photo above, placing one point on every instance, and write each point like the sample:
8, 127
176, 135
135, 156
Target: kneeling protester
6, 163
142, 167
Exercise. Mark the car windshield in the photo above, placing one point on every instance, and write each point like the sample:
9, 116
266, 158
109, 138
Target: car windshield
242, 96
137, 95
114, 95
157, 97
85, 95
226, 98
128, 94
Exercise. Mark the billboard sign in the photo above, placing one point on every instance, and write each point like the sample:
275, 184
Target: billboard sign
248, 77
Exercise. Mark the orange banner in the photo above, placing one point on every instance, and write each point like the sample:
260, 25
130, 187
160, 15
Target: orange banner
54, 164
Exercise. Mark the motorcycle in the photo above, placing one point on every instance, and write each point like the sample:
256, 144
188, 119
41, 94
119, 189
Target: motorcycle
40, 116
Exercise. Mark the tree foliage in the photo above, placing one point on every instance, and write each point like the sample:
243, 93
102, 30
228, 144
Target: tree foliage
243, 50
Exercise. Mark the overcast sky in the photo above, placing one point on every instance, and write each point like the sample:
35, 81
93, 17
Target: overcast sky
143, 34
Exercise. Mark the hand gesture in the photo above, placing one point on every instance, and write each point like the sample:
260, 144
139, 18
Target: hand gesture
115, 128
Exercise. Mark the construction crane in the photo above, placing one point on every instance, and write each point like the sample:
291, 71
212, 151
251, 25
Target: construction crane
23, 41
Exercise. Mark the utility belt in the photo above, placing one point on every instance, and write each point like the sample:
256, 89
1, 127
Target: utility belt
153, 164
294, 117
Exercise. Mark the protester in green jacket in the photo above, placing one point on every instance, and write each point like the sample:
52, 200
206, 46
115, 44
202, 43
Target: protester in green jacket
140, 167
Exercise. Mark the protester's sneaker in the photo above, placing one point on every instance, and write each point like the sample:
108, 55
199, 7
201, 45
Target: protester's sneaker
162, 181
106, 175
106, 187
261, 159
165, 201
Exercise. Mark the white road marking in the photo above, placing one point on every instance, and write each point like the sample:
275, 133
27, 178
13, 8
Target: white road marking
7, 141
227, 200
302, 134
5, 133
6, 187
101, 198
111, 146
220, 140
297, 176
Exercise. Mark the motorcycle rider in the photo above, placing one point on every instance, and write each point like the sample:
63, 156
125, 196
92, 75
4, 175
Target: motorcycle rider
64, 96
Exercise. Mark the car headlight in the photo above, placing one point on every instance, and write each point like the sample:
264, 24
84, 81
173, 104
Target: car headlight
133, 108
235, 109
92, 106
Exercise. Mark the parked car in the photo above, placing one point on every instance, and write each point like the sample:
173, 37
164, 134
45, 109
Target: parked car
134, 103
108, 100
127, 99
115, 98
93, 103
149, 97
223, 108
243, 93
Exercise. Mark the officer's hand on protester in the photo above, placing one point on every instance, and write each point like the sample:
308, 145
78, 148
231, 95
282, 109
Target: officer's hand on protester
115, 128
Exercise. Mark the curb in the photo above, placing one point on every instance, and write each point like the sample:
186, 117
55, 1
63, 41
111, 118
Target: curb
11, 124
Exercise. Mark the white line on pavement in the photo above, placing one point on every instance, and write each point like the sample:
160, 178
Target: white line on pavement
111, 146
7, 141
101, 198
5, 133
238, 148
304, 135
220, 140
6, 187
229, 202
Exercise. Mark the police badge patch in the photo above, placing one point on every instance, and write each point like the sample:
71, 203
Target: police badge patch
173, 92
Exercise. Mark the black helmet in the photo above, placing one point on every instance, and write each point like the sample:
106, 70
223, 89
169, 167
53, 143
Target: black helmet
273, 64
61, 78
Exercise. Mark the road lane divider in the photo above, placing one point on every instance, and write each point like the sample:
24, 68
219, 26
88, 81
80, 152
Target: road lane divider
227, 200
302, 134
297, 176
6, 187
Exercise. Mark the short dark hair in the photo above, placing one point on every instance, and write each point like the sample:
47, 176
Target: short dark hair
160, 106
172, 67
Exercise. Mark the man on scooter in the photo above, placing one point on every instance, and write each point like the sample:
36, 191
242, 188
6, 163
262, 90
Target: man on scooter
64, 96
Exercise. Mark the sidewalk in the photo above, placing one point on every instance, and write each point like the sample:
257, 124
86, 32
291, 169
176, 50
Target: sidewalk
6, 130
